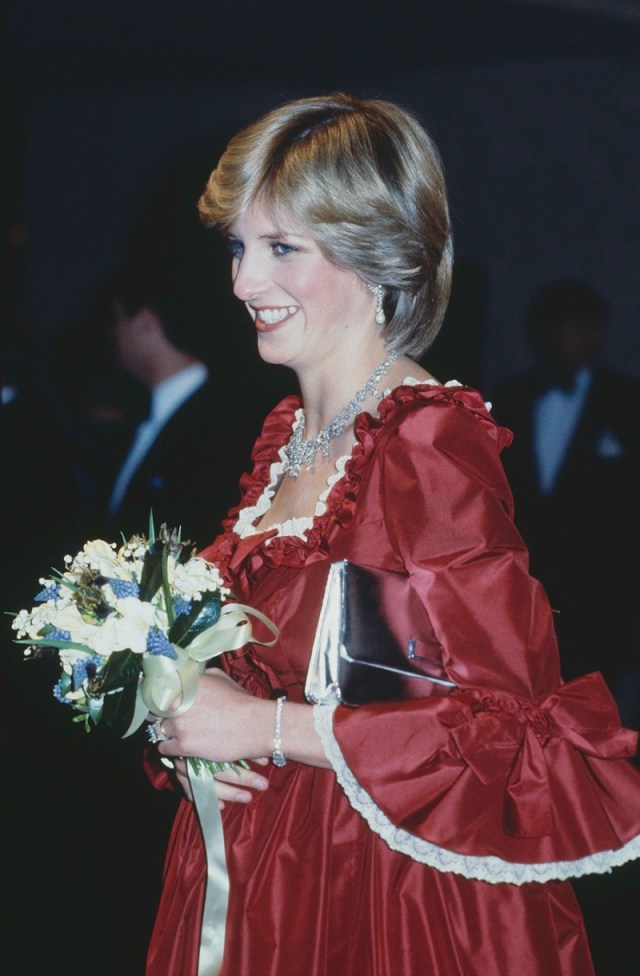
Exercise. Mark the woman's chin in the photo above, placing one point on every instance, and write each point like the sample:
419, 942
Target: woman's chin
273, 351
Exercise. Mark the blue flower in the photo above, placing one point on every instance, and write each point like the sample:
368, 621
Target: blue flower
158, 643
58, 635
59, 694
181, 606
124, 588
49, 593
85, 668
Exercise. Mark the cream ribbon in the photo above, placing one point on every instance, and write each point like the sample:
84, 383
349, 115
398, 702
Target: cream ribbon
216, 896
164, 680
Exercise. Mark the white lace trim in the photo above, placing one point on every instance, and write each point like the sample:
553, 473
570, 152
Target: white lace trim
247, 517
298, 527
493, 869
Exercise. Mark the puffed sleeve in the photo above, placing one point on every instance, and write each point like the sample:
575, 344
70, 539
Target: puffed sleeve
514, 776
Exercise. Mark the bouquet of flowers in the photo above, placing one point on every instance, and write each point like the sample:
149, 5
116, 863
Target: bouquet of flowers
134, 627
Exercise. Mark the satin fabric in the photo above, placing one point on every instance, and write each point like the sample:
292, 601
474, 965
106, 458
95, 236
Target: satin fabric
511, 764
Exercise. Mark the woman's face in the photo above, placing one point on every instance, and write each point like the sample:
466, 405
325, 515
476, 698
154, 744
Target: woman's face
307, 311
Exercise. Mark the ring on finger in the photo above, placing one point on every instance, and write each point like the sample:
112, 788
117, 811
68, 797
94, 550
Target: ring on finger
155, 732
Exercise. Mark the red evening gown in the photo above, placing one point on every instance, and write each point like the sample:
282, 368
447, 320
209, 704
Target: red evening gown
440, 842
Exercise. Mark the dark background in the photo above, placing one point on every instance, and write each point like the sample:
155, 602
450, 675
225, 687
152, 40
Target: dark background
536, 109
535, 106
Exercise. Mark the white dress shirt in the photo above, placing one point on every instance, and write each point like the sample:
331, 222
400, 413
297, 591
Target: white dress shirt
555, 418
166, 398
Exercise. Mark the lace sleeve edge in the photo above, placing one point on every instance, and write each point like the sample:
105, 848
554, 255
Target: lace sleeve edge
492, 869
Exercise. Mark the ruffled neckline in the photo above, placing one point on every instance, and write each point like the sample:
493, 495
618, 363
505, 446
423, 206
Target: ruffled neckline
240, 554
249, 514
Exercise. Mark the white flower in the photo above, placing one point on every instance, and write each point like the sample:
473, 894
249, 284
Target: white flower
29, 623
58, 594
127, 629
192, 579
65, 599
137, 617
68, 617
134, 568
101, 557
133, 550
104, 639
23, 623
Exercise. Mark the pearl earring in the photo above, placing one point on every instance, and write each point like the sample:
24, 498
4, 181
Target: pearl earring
379, 293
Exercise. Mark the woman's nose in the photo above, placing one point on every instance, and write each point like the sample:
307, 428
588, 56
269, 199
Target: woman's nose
248, 278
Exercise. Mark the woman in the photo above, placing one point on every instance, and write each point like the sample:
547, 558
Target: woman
401, 837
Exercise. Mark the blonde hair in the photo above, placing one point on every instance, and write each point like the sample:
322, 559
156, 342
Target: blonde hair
366, 182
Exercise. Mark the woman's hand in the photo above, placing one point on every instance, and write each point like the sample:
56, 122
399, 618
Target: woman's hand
225, 723
231, 787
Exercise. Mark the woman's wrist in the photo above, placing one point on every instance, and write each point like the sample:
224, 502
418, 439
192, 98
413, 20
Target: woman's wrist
299, 739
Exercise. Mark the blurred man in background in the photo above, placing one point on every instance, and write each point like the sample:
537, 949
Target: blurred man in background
186, 455
574, 468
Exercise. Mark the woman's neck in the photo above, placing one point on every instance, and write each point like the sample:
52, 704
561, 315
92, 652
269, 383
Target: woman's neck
326, 392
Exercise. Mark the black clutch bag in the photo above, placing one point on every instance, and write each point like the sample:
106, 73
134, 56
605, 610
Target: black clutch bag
374, 641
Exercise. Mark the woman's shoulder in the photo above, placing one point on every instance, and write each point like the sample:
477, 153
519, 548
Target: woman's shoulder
427, 412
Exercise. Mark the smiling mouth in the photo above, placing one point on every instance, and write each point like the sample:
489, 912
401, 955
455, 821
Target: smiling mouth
268, 319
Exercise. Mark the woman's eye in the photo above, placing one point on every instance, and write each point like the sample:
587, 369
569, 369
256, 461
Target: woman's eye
279, 248
235, 247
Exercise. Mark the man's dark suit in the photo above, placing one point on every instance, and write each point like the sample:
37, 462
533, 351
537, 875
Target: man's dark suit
584, 536
189, 477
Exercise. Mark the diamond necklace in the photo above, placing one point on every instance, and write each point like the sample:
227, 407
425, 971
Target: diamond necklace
301, 454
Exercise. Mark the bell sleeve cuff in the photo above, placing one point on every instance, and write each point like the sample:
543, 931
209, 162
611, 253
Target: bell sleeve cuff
456, 814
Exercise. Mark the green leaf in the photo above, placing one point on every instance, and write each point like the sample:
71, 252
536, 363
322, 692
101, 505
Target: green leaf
203, 614
83, 720
121, 670
118, 708
64, 645
151, 579
166, 589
